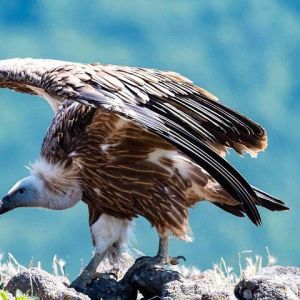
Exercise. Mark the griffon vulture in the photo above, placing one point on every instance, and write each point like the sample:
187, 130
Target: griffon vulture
133, 142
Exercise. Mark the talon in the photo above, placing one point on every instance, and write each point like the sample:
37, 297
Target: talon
160, 257
95, 276
141, 258
113, 275
83, 281
175, 260
104, 275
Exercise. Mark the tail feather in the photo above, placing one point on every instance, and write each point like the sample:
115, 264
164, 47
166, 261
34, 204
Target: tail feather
269, 201
265, 200
236, 210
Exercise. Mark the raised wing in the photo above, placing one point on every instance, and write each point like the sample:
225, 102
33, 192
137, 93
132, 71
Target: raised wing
216, 125
172, 107
24, 75
163, 102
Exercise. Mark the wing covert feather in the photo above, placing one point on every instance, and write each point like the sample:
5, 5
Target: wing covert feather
216, 124
162, 102
157, 113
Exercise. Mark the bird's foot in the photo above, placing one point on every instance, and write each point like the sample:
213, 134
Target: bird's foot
169, 260
82, 281
86, 279
161, 259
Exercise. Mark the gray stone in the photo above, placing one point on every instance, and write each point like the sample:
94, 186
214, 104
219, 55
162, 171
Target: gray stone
147, 278
38, 283
202, 287
271, 283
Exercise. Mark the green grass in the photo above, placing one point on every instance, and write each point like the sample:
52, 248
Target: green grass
3, 295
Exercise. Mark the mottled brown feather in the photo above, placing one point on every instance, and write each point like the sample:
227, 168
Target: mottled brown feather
116, 176
125, 115
139, 85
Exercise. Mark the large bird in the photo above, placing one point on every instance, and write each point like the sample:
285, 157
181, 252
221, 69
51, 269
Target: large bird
133, 142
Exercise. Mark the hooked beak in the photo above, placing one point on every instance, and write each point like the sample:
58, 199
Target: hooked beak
5, 205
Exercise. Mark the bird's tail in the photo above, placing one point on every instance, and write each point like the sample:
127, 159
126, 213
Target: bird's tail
265, 200
269, 201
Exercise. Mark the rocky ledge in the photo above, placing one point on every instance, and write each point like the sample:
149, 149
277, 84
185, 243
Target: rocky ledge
147, 280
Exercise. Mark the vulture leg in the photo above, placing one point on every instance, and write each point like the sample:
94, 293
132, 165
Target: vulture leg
163, 255
108, 234
160, 259
89, 273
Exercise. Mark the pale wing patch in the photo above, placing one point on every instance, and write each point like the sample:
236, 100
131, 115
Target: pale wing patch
120, 123
180, 163
104, 147
158, 155
97, 191
202, 186
73, 154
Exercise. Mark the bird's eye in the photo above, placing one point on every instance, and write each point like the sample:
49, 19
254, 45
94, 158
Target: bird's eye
21, 191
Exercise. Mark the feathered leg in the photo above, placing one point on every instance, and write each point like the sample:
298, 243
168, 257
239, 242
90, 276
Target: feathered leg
108, 233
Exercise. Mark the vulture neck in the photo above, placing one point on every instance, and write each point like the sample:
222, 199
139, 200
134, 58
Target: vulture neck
61, 185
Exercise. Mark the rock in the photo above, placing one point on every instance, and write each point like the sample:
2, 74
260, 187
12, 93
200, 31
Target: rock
202, 287
145, 276
38, 283
148, 278
108, 288
271, 283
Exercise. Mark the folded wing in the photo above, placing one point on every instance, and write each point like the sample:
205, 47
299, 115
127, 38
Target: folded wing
215, 124
165, 103
175, 109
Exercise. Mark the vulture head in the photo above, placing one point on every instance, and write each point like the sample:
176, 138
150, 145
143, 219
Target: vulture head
28, 192
46, 187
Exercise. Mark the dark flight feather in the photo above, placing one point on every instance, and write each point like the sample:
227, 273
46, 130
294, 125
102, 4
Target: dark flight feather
216, 124
155, 118
164, 103
265, 200
268, 201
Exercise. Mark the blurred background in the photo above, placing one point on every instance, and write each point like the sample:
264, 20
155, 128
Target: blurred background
245, 52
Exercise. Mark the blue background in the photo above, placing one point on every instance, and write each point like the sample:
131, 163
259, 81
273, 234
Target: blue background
245, 52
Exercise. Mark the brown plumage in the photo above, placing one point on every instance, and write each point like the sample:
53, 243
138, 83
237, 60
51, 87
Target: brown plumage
141, 141
111, 156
